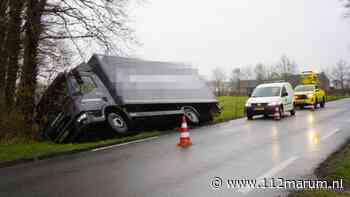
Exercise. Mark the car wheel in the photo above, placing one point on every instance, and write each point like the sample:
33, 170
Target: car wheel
117, 123
315, 104
280, 113
292, 112
323, 103
191, 115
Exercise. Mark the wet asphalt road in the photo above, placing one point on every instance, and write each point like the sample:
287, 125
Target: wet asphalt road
291, 149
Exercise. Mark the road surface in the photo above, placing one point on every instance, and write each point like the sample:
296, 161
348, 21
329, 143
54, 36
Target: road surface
262, 148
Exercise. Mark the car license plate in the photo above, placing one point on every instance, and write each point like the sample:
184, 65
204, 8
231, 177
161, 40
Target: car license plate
259, 108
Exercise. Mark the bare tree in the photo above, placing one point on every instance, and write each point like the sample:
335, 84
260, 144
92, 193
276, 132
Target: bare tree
247, 73
58, 58
235, 79
3, 56
285, 67
271, 73
13, 50
260, 72
219, 77
98, 24
340, 74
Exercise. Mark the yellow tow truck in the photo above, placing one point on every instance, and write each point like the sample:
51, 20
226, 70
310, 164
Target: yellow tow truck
309, 93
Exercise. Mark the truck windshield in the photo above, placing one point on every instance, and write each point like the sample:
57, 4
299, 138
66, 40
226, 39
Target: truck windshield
266, 91
304, 88
85, 85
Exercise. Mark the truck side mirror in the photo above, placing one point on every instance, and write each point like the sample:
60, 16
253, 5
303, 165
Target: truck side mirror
285, 94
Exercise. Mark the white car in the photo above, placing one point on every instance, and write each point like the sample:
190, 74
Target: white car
271, 99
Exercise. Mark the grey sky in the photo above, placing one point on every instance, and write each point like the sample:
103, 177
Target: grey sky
232, 33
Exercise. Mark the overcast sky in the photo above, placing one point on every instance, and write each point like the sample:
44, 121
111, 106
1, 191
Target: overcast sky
233, 33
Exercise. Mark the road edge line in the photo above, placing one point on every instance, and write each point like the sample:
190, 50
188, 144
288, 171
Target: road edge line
323, 138
270, 173
123, 144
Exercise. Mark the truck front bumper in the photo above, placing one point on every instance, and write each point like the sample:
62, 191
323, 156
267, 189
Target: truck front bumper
90, 117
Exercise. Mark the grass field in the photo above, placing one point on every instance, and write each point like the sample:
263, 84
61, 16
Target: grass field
232, 108
334, 98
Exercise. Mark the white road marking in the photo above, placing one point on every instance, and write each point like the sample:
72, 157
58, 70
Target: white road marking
123, 144
271, 173
329, 134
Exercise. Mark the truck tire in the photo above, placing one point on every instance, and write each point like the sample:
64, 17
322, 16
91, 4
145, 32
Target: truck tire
117, 123
323, 103
249, 117
191, 115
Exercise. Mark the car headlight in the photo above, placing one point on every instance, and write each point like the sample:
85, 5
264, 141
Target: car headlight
310, 95
274, 103
248, 104
82, 117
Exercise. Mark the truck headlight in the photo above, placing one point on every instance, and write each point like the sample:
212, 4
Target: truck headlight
82, 117
274, 103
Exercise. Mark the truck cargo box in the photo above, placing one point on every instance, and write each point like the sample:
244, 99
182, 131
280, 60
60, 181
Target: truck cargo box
135, 81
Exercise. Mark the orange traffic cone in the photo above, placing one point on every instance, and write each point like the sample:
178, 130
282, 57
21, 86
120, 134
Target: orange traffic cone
185, 140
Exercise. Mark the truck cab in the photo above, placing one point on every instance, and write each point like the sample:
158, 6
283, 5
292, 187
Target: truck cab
74, 100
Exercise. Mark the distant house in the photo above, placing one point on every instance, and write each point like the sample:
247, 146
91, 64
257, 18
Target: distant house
247, 86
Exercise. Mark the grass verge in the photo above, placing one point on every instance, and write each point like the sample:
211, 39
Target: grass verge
41, 149
335, 167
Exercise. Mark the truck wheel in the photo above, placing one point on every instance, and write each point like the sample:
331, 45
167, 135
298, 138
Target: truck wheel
323, 103
117, 123
249, 117
191, 115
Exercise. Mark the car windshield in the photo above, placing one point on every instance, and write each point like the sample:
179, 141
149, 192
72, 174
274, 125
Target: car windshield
266, 91
304, 88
